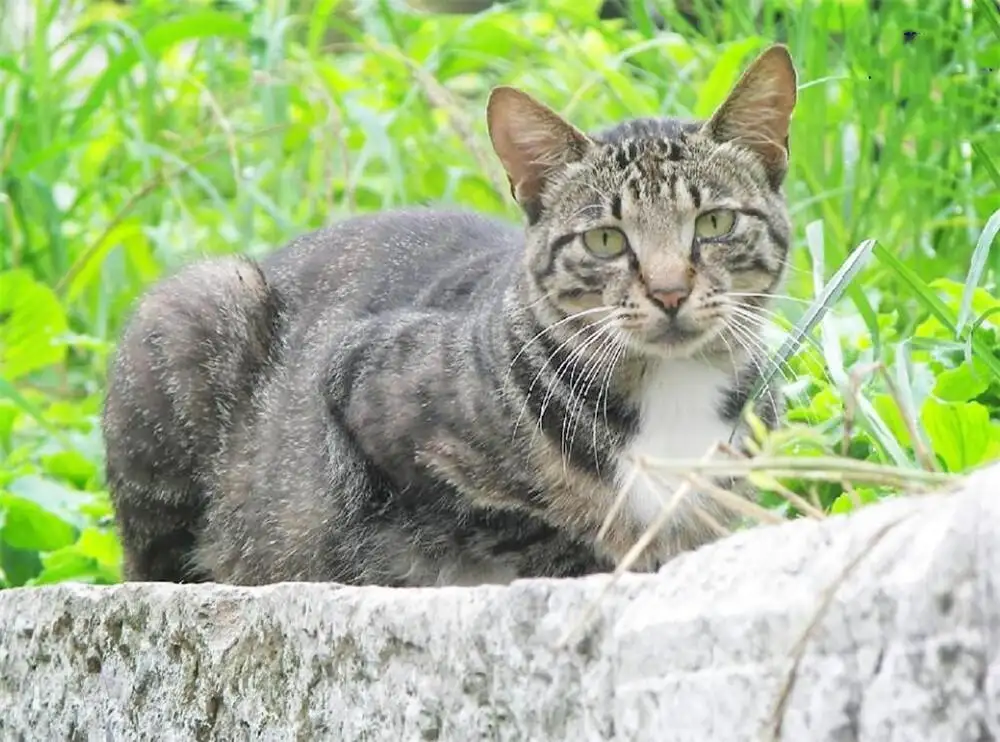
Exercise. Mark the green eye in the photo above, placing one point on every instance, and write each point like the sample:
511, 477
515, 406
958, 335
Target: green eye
605, 242
716, 223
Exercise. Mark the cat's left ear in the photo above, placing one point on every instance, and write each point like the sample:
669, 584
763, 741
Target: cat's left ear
532, 141
758, 111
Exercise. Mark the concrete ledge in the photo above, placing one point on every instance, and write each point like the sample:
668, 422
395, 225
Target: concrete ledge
881, 626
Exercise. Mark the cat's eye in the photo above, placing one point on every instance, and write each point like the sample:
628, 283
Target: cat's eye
713, 224
605, 242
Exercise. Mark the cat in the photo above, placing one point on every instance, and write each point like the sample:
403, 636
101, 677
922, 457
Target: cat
429, 397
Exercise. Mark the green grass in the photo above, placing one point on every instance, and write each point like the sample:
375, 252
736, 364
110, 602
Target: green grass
136, 138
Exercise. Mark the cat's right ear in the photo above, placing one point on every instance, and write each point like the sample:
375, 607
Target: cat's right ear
532, 141
757, 114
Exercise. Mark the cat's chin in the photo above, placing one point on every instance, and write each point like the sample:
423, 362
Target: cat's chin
672, 344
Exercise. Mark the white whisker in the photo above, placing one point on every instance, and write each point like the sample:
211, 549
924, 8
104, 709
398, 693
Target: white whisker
550, 328
742, 313
578, 352
570, 360
602, 354
619, 352
564, 343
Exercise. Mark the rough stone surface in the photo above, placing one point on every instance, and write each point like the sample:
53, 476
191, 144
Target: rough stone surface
881, 626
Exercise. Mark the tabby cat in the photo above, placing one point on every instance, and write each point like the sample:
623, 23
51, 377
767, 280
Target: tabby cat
433, 397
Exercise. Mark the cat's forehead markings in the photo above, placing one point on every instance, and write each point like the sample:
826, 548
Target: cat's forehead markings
694, 192
635, 187
651, 166
668, 186
616, 206
625, 153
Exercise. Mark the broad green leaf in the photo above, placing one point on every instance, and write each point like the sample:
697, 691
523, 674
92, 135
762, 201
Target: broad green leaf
823, 406
101, 545
29, 527
95, 557
18, 566
71, 466
963, 383
933, 328
33, 320
960, 433
55, 498
67, 565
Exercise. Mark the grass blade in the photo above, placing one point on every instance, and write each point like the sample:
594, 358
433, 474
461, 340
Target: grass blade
989, 11
188, 28
967, 345
834, 356
987, 161
976, 268
831, 293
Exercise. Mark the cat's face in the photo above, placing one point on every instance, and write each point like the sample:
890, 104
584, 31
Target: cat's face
670, 233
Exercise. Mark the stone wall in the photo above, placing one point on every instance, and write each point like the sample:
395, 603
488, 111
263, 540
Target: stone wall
881, 626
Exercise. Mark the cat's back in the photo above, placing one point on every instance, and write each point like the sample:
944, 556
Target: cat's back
394, 259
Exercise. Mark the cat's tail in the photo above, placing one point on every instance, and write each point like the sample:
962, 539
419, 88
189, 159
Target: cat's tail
187, 365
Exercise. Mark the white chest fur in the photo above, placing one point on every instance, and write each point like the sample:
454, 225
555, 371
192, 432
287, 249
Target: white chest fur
679, 419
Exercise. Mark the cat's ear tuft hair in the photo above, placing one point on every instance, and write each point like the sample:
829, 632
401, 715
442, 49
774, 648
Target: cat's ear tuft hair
532, 141
758, 111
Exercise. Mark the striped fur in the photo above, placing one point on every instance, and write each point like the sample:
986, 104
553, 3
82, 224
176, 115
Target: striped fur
429, 397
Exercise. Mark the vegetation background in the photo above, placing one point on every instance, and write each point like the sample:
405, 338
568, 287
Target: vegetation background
137, 136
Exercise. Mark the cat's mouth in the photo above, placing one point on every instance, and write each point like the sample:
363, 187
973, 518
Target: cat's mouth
672, 331
671, 335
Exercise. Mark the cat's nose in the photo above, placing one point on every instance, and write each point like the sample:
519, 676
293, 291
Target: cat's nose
670, 297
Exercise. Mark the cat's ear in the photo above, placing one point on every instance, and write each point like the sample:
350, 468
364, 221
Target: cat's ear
532, 141
758, 111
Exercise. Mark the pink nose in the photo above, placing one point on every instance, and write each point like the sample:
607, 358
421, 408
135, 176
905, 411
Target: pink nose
670, 298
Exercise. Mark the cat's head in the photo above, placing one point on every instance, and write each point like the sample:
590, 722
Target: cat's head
678, 229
